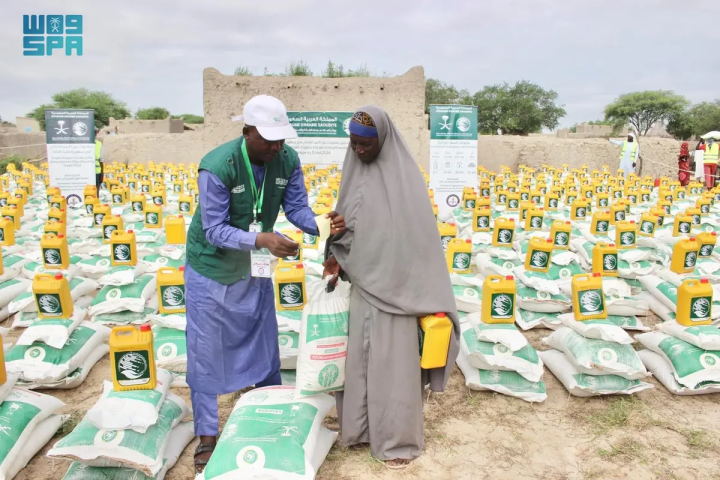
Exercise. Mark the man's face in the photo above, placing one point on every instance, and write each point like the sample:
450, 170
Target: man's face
259, 148
367, 148
630, 138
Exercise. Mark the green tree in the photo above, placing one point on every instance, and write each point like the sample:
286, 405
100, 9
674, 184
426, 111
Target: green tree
152, 113
518, 110
298, 69
243, 71
642, 110
190, 118
698, 120
334, 70
441, 93
103, 103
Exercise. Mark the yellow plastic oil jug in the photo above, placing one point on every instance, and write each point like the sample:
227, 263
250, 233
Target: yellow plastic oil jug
586, 191
684, 256
645, 194
159, 196
55, 251
110, 224
665, 205
552, 201
175, 233
178, 186
186, 204
538, 258
137, 203
435, 211
448, 231
132, 358
295, 236
16, 202
290, 287
123, 248
459, 255
600, 223
171, 290
534, 220
605, 259
90, 203
145, 186
50, 192
485, 190
12, 213
695, 188
7, 232
588, 298
310, 241
602, 200
469, 202
481, 219
694, 302
660, 214
648, 223
498, 299
617, 213
525, 207
57, 215
513, 202
117, 195
99, 213
560, 232
58, 201
679, 193
536, 197
89, 191
435, 333
504, 232
55, 228
682, 224
153, 216
631, 196
4, 196
26, 187
21, 195
695, 215
707, 242
571, 197
52, 296
625, 234
579, 209
502, 197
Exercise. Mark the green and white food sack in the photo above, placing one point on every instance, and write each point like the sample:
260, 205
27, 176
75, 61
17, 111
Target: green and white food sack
44, 431
74, 378
20, 414
323, 339
170, 349
528, 320
39, 363
95, 266
600, 329
155, 261
136, 410
465, 280
12, 267
92, 446
488, 265
131, 297
495, 356
468, 299
128, 317
30, 269
178, 439
706, 337
270, 435
177, 321
537, 301
663, 370
504, 333
10, 289
288, 343
550, 282
691, 365
6, 388
582, 385
54, 332
27, 319
666, 293
79, 287
503, 382
597, 357
122, 275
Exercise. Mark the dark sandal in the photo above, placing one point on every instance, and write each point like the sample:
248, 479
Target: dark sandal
199, 450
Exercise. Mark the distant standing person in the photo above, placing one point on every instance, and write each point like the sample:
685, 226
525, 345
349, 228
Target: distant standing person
710, 162
98, 160
629, 153
684, 165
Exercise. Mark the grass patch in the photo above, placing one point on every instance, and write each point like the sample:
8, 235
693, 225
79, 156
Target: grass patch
69, 426
617, 414
627, 449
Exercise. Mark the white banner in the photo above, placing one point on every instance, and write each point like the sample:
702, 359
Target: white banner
71, 168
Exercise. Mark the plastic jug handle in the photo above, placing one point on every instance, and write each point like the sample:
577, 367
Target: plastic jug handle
122, 329
166, 269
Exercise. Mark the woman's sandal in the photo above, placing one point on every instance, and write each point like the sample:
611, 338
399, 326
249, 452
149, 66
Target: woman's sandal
199, 450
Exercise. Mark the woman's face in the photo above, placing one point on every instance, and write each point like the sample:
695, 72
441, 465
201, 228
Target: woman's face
367, 148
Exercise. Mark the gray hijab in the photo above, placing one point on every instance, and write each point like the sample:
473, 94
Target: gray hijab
391, 251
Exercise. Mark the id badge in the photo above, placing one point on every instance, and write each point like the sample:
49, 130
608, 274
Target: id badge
259, 259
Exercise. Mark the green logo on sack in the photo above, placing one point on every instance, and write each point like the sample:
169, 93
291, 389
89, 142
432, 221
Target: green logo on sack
121, 253
684, 227
561, 239
132, 368
602, 226
52, 256
591, 302
99, 218
461, 261
610, 262
536, 222
173, 296
328, 375
166, 350
690, 259
291, 295
137, 206
580, 212
647, 227
539, 260
627, 238
250, 457
184, 207
504, 236
619, 216
109, 436
502, 305
107, 231
700, 309
151, 218
483, 221
117, 198
49, 304
705, 250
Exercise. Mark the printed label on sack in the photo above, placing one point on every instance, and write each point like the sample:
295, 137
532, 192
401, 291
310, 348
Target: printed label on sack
700, 308
49, 304
172, 297
591, 302
502, 306
132, 367
291, 294
610, 262
52, 256
121, 253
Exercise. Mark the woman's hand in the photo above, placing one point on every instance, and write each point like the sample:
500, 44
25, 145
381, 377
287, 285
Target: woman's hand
332, 268
337, 223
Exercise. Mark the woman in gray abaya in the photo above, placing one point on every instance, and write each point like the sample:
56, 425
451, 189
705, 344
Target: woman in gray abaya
391, 252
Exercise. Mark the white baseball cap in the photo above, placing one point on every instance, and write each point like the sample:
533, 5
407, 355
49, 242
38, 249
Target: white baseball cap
269, 116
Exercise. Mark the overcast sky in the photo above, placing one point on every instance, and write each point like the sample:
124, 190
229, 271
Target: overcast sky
152, 52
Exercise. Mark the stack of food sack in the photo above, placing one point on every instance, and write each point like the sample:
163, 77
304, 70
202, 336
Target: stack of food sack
123, 304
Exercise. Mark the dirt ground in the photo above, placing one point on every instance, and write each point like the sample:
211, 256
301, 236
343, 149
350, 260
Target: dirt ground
481, 435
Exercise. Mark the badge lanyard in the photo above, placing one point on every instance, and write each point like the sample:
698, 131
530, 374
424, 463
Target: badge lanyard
257, 196
259, 259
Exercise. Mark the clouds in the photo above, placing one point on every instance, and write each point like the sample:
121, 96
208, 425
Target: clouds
152, 53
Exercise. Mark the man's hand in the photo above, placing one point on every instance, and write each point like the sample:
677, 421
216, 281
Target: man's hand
332, 267
337, 223
278, 246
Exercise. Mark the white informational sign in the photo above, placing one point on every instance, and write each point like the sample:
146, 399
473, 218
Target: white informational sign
699, 165
453, 153
323, 137
70, 136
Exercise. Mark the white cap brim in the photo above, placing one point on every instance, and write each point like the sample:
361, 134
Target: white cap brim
277, 133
